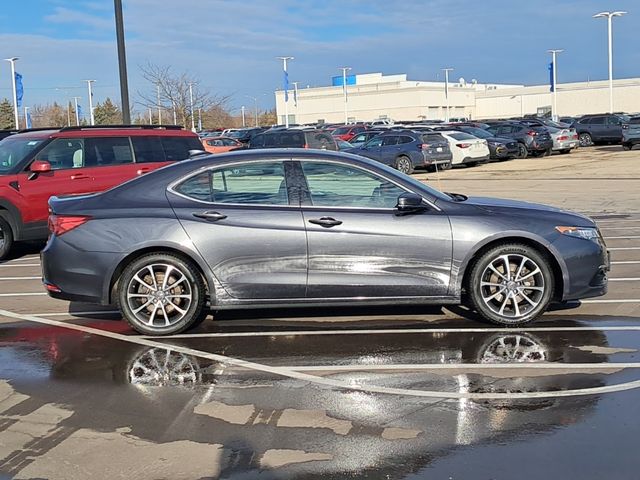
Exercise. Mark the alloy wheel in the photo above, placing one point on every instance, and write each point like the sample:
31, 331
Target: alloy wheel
512, 285
2, 239
404, 165
514, 348
159, 295
585, 140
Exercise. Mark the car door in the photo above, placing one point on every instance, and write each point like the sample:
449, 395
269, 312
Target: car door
109, 161
390, 149
598, 128
247, 224
359, 246
613, 128
68, 176
372, 149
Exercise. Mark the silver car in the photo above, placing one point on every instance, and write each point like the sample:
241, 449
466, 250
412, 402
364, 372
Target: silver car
564, 139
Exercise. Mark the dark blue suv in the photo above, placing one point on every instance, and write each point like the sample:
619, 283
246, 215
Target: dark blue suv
407, 150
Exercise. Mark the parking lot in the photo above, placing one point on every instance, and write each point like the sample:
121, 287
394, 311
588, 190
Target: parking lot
402, 392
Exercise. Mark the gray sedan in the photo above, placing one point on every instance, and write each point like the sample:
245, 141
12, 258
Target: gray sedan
294, 227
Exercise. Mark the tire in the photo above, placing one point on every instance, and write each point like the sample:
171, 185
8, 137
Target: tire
564, 152
404, 165
626, 146
471, 164
496, 295
547, 152
585, 140
180, 304
445, 166
6, 239
522, 151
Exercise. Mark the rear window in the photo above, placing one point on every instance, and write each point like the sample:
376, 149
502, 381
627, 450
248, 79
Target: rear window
462, 136
433, 138
322, 141
634, 120
292, 139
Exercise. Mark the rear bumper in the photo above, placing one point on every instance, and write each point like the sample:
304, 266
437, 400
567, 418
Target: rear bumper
566, 145
480, 159
436, 159
77, 275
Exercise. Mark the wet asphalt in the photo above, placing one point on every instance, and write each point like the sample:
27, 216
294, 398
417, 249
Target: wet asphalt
412, 392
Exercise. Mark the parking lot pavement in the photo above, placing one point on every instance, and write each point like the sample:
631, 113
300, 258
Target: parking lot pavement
411, 392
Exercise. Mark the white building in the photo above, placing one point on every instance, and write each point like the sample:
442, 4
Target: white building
375, 96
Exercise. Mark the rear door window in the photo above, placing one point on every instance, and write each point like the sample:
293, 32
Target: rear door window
390, 140
320, 141
64, 153
598, 121
257, 141
177, 148
148, 149
404, 139
292, 139
107, 151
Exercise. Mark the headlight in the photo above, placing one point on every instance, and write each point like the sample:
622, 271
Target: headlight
586, 233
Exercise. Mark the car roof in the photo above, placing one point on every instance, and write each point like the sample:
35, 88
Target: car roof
106, 131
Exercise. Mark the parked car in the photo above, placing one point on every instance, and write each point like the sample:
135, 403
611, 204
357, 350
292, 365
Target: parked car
600, 128
362, 138
221, 144
347, 132
244, 135
342, 145
292, 138
466, 149
195, 235
6, 133
74, 160
406, 150
564, 139
531, 140
631, 133
499, 148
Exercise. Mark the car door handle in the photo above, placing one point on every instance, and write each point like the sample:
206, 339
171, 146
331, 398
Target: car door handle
142, 171
212, 216
80, 176
326, 222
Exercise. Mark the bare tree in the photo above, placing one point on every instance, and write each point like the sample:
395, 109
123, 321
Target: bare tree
175, 94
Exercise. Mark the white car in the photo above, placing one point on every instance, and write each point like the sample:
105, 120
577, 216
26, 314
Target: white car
466, 148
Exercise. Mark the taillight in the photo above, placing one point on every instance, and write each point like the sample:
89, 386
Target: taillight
463, 145
61, 224
306, 145
423, 146
532, 133
564, 137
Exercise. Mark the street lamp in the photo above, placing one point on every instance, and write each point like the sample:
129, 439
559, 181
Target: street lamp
344, 92
122, 63
286, 90
12, 61
554, 53
244, 124
256, 109
446, 90
609, 16
193, 120
91, 117
75, 101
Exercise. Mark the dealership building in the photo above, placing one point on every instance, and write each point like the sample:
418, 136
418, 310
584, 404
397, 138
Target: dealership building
375, 96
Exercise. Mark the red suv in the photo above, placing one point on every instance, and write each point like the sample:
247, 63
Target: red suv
37, 164
347, 132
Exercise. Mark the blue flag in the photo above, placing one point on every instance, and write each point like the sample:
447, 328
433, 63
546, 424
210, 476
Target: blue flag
286, 86
552, 87
19, 89
29, 124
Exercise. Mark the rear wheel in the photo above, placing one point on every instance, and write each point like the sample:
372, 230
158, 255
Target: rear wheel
444, 166
511, 284
161, 294
522, 151
585, 140
404, 165
6, 238
565, 151
627, 146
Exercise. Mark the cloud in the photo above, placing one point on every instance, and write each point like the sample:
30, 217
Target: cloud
63, 15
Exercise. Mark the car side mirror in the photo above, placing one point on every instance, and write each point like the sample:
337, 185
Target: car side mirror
409, 202
40, 166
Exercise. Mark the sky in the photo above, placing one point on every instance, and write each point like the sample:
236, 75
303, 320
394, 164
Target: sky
230, 46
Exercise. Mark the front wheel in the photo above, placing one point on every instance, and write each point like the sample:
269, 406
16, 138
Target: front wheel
161, 294
627, 146
522, 151
511, 284
585, 140
404, 165
6, 238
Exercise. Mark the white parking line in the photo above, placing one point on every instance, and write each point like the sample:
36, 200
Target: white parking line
73, 314
627, 300
23, 259
622, 238
623, 248
20, 278
19, 265
328, 382
620, 228
625, 279
626, 262
613, 221
27, 294
458, 366
392, 331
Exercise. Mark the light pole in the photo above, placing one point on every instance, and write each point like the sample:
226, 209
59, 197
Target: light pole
159, 106
122, 63
175, 114
12, 61
286, 90
446, 90
75, 102
344, 92
255, 99
554, 53
193, 120
91, 117
609, 16
243, 120
26, 118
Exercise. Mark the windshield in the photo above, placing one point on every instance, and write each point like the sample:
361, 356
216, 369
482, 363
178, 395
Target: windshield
13, 150
477, 132
462, 136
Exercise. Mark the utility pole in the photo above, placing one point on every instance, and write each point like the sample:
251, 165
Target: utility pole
12, 61
446, 90
75, 100
286, 91
26, 118
255, 99
193, 120
91, 117
344, 92
175, 114
243, 120
122, 63
159, 106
